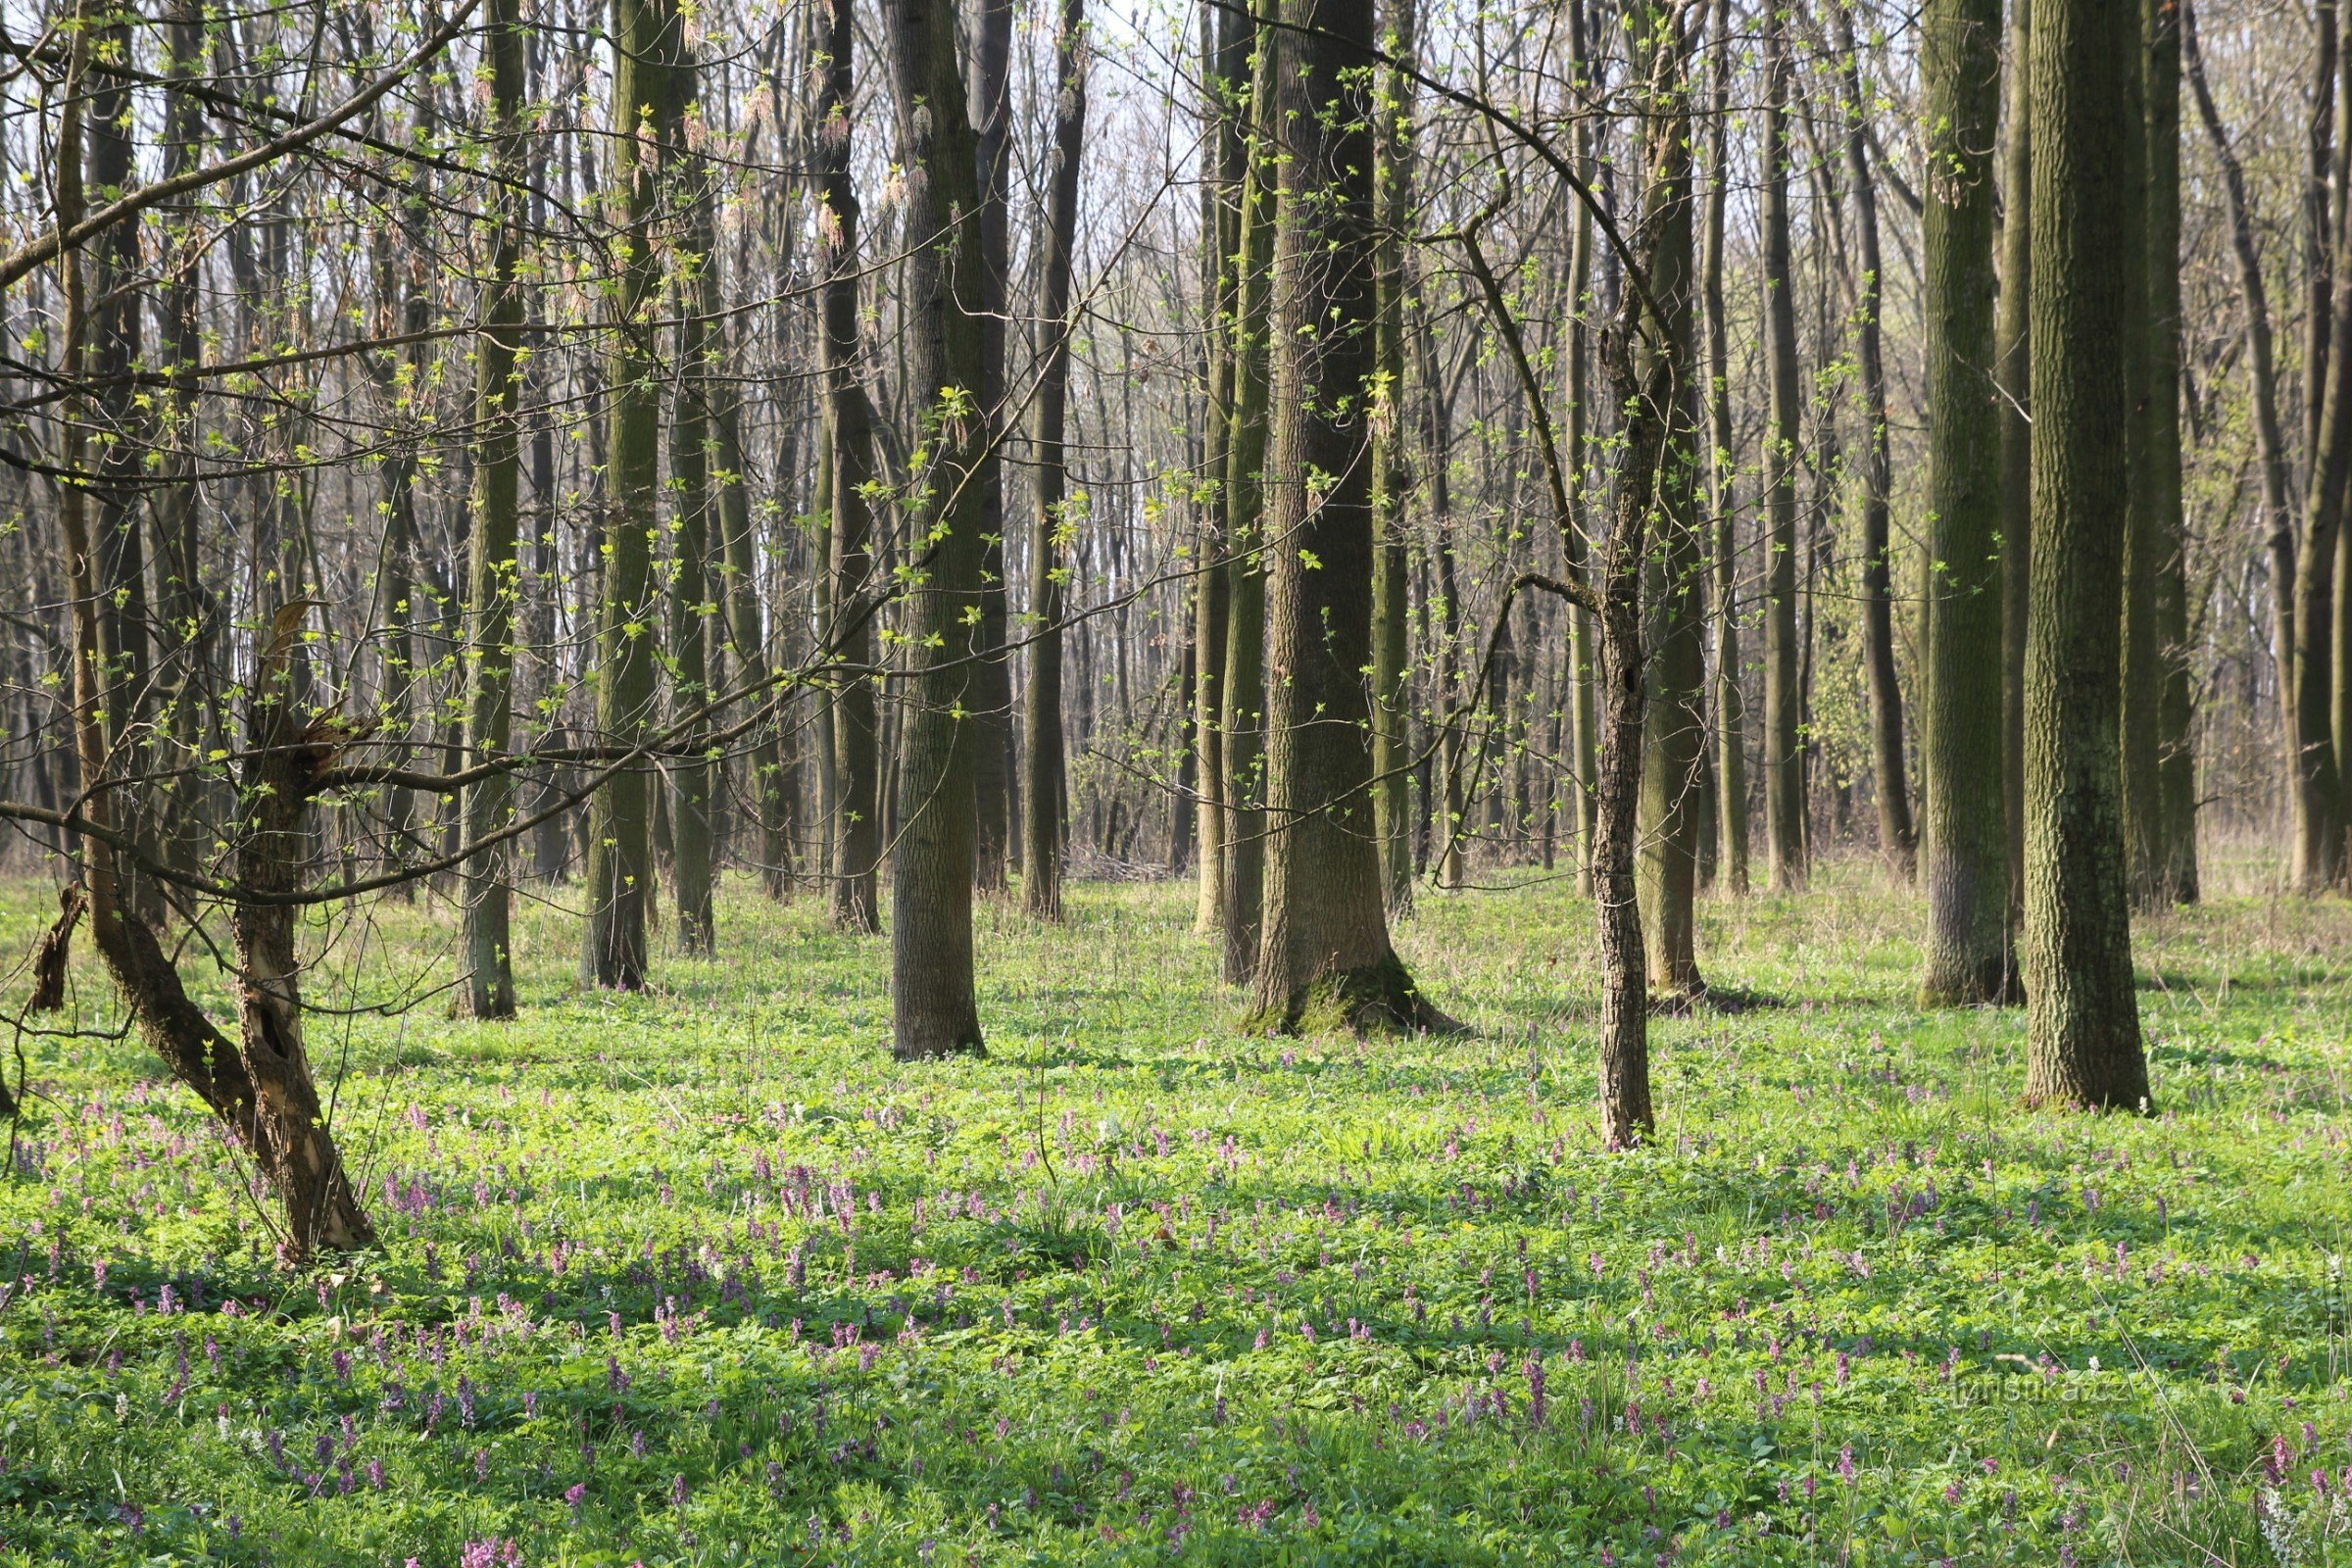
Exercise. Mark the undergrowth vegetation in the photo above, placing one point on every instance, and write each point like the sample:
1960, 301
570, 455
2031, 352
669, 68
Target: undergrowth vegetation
702, 1276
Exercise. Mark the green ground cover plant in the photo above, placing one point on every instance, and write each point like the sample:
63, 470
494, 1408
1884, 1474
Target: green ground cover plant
702, 1276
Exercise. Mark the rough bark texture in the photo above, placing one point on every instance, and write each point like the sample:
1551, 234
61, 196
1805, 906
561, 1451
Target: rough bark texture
1042, 738
2083, 1035
1324, 937
1966, 843
935, 1009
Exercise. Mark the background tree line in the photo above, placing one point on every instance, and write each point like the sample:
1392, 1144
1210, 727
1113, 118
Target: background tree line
920, 452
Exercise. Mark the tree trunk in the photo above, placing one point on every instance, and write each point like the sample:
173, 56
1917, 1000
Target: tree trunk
1324, 938
2173, 875
1042, 740
1897, 840
991, 151
621, 866
1783, 698
1649, 362
2013, 342
857, 841
1966, 843
2261, 390
1242, 720
488, 990
2083, 1041
935, 1008
692, 439
1730, 768
1392, 467
2320, 851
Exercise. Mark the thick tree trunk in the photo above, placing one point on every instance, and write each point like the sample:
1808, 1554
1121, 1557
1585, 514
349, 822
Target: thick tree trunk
488, 990
935, 1008
1042, 740
1784, 697
620, 865
2083, 1039
1966, 843
1324, 939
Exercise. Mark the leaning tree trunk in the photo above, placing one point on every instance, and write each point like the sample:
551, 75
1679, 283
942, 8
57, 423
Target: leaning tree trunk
488, 990
1965, 846
1324, 938
621, 862
2082, 1040
1783, 696
260, 1084
935, 1009
1042, 738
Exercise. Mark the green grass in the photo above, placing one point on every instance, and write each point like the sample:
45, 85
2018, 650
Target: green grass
702, 1276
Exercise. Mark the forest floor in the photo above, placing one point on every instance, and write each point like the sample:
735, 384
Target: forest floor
704, 1276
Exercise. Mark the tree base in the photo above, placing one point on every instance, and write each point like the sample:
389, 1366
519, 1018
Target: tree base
1374, 998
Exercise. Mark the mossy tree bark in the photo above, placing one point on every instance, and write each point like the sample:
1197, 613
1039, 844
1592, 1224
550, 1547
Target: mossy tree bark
943, 643
1966, 843
2083, 1035
1324, 937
